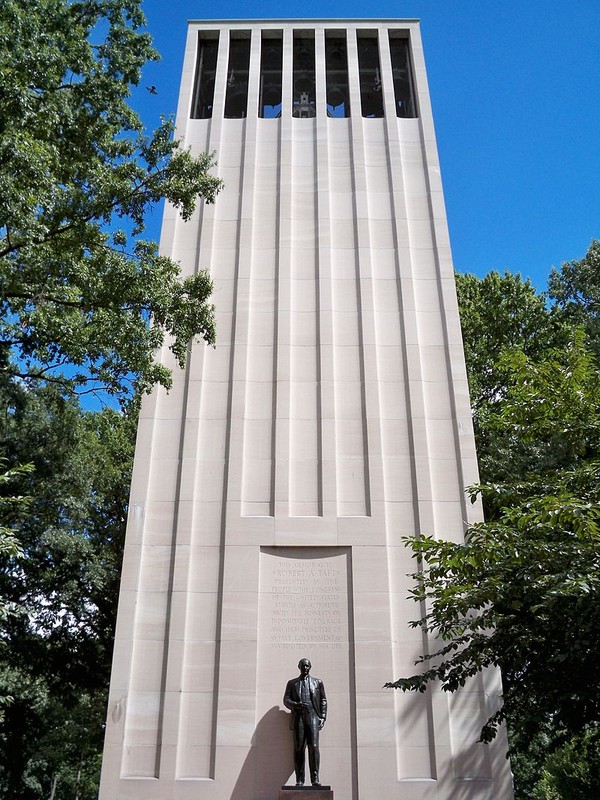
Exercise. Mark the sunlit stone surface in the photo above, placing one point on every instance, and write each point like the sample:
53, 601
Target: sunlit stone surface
273, 485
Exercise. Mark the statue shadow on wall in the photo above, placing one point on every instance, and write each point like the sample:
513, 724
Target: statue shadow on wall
270, 761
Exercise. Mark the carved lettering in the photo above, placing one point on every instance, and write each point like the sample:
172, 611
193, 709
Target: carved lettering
308, 604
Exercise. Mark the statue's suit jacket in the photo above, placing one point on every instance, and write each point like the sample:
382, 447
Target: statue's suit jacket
317, 696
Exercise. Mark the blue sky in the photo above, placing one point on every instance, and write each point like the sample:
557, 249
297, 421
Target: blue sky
515, 89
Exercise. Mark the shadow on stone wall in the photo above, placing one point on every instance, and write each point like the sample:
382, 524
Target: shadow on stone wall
270, 761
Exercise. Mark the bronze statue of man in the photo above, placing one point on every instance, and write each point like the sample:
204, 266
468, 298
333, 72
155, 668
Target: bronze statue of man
305, 697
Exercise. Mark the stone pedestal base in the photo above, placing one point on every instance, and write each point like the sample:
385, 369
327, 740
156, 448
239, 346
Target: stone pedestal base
306, 793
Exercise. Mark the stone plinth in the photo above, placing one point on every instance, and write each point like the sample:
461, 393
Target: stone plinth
306, 793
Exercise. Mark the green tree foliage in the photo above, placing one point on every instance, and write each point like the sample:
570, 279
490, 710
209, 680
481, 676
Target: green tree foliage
78, 286
55, 648
11, 507
575, 288
500, 312
84, 304
523, 591
572, 771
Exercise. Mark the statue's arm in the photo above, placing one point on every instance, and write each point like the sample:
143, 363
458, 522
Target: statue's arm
323, 713
287, 697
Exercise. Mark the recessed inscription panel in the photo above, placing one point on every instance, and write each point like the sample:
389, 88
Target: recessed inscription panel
305, 601
308, 601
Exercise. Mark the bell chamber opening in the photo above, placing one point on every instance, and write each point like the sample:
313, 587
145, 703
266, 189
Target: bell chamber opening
236, 96
206, 67
404, 95
303, 86
369, 68
336, 69
333, 68
271, 60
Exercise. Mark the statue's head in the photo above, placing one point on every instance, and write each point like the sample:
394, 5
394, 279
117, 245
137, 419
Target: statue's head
304, 666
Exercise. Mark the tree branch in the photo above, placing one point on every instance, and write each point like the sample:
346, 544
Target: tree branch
97, 214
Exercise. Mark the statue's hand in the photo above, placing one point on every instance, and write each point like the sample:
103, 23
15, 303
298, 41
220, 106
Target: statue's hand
321, 722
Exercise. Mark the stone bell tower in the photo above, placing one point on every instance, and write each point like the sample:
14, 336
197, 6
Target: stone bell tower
273, 485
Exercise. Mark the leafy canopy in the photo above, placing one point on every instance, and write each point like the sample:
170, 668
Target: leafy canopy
500, 313
575, 289
61, 589
78, 174
12, 508
84, 304
522, 592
